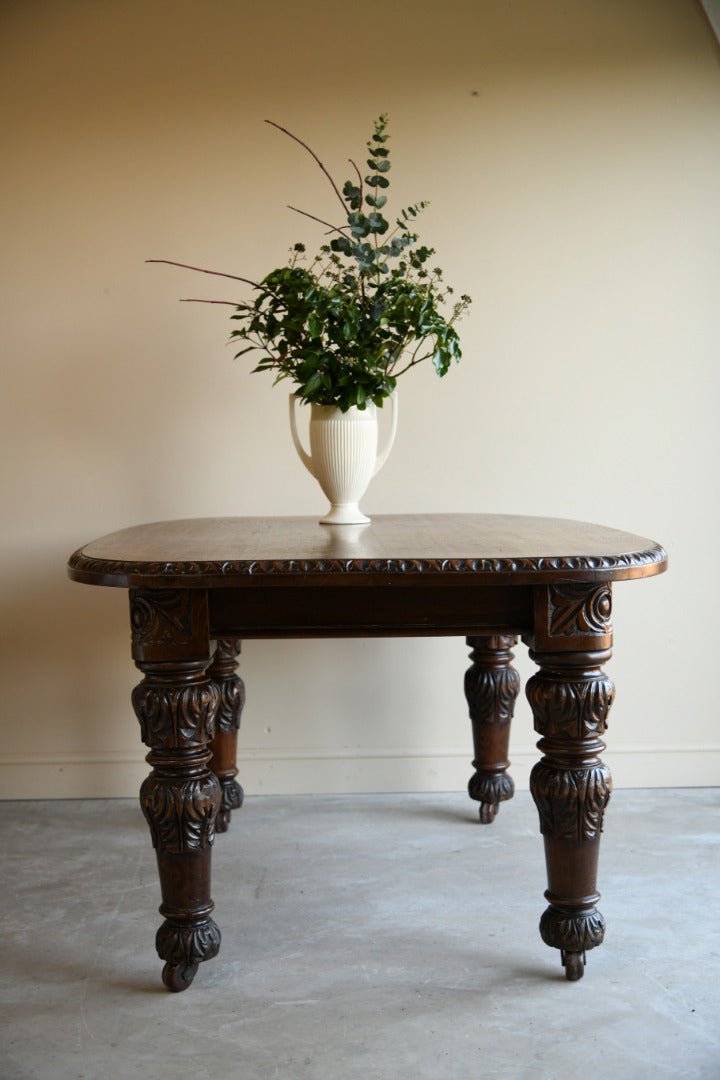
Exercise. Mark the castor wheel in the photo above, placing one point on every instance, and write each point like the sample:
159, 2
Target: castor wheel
488, 810
574, 963
177, 977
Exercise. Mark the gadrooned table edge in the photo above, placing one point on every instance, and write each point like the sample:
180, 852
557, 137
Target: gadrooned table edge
527, 569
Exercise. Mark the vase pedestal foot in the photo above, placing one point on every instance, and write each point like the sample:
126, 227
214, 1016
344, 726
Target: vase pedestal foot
345, 515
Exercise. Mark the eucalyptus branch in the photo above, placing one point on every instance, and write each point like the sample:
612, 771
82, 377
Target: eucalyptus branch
313, 155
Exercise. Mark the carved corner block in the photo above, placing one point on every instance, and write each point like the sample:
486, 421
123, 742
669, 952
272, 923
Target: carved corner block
169, 624
573, 617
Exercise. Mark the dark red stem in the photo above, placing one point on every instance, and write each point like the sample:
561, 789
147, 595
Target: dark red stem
333, 228
217, 273
232, 303
313, 155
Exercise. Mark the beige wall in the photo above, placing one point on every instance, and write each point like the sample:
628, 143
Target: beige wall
572, 156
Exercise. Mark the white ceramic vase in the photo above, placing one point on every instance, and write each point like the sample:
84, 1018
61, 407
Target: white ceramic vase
343, 455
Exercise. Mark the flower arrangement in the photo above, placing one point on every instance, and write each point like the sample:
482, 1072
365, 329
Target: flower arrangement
346, 323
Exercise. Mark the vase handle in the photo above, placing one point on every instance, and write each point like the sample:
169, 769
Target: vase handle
305, 458
383, 454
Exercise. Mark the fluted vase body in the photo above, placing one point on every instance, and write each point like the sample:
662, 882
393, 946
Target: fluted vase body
343, 455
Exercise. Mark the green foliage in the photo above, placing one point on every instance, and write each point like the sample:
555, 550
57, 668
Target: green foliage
344, 325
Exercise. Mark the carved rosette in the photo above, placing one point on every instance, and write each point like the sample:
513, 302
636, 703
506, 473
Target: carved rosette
186, 943
571, 802
181, 813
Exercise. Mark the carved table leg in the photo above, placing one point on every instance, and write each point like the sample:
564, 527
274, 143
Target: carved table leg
491, 687
176, 704
227, 723
570, 698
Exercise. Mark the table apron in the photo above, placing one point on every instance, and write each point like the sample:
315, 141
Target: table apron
370, 611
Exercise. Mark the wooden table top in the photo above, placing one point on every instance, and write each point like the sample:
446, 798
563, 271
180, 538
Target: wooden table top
486, 548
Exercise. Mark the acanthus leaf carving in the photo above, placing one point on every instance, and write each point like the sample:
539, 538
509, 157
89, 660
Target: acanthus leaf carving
230, 686
175, 716
181, 813
491, 693
491, 788
187, 944
572, 933
576, 707
231, 700
571, 802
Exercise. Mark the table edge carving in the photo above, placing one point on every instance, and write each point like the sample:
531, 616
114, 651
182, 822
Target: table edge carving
85, 568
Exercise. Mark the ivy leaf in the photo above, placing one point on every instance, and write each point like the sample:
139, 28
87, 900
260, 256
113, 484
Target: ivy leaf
314, 383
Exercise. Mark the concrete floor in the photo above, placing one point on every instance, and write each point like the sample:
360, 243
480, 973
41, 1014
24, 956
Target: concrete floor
382, 936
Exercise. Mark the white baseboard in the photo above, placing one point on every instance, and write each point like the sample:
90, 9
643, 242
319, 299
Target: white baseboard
313, 771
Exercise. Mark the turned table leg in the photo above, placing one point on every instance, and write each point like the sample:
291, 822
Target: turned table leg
570, 698
227, 723
176, 704
491, 687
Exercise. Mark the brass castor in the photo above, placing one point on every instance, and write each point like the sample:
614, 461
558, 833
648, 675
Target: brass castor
574, 963
488, 811
177, 977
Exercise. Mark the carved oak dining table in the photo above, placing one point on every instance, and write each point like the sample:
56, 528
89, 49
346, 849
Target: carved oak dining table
198, 587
